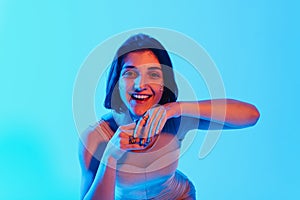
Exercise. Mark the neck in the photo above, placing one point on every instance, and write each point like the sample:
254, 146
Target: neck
122, 118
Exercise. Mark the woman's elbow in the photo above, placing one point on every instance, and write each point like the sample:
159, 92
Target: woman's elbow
246, 117
253, 116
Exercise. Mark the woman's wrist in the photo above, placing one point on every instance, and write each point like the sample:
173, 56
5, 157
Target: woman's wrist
109, 160
173, 109
111, 154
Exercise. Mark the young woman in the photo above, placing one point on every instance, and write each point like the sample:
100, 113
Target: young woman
132, 152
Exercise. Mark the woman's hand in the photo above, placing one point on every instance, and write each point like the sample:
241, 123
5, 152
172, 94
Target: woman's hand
137, 136
150, 124
121, 142
154, 120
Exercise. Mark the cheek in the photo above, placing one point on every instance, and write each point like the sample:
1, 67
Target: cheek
124, 87
158, 92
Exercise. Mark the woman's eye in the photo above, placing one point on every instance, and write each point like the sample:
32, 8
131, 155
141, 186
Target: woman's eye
155, 75
129, 74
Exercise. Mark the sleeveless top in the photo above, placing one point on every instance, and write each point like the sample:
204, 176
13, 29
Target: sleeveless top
151, 173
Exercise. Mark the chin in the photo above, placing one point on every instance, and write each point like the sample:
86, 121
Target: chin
139, 110
138, 113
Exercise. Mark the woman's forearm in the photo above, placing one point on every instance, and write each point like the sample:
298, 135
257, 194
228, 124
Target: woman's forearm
229, 112
103, 186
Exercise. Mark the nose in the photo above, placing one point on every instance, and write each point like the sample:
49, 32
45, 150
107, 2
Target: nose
139, 83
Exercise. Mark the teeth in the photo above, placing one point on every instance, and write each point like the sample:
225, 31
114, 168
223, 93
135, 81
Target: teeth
140, 96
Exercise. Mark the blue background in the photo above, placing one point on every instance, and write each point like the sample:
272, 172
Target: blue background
253, 43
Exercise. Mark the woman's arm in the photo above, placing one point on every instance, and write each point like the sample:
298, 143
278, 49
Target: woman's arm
103, 186
207, 115
98, 155
97, 177
228, 113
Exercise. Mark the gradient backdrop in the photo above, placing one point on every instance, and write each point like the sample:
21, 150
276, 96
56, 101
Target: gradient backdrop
255, 45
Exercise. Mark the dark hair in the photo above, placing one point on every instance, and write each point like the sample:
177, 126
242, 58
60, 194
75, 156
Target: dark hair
140, 42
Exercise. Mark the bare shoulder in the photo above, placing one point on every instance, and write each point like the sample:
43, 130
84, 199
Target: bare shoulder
92, 144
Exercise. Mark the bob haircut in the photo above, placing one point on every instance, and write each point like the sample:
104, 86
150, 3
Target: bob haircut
139, 42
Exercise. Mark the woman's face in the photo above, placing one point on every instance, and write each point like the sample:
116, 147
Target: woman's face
141, 81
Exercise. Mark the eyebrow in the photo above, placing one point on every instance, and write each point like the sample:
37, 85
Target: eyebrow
128, 67
154, 68
133, 67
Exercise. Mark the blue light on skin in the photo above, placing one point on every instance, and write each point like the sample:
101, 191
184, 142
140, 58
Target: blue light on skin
141, 74
254, 45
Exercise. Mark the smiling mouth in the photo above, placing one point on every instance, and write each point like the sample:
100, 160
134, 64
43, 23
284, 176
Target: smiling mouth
140, 97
